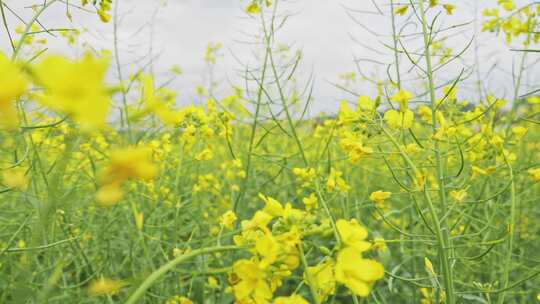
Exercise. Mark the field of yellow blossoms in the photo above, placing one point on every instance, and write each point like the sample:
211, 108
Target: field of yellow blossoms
112, 191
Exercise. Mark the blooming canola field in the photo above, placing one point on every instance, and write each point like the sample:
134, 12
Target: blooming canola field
113, 192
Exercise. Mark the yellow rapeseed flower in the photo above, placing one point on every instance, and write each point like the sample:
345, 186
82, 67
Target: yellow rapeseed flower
379, 196
75, 88
310, 202
15, 179
449, 8
294, 299
109, 195
356, 273
459, 195
105, 286
13, 84
124, 164
227, 219
402, 97
352, 234
402, 10
253, 8
272, 206
268, 248
323, 278
336, 182
429, 267
399, 120
206, 154
534, 174
129, 163
250, 283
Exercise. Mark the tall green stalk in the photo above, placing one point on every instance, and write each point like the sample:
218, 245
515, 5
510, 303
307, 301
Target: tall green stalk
444, 243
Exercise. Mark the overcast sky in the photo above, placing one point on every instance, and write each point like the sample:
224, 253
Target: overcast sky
178, 32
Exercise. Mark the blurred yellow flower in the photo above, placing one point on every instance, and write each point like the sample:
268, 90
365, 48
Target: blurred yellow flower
402, 97
109, 195
132, 162
13, 84
75, 88
15, 178
227, 219
124, 164
336, 182
105, 286
449, 8
310, 202
379, 196
253, 8
459, 195
399, 120
402, 10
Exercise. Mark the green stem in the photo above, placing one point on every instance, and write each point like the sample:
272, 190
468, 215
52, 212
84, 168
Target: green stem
309, 278
120, 75
254, 126
150, 280
28, 27
395, 39
444, 240
511, 228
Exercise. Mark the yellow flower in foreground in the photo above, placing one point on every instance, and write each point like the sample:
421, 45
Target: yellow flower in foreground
13, 84
268, 248
109, 195
294, 299
399, 120
323, 278
356, 273
251, 286
75, 88
133, 162
129, 163
15, 178
352, 234
105, 286
272, 206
